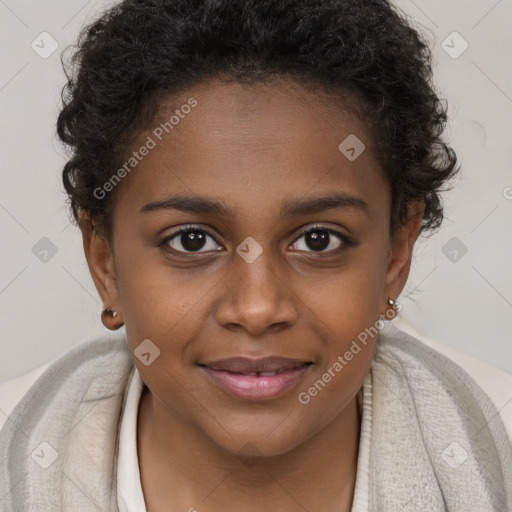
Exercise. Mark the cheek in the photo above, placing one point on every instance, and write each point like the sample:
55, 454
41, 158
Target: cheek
334, 385
349, 299
346, 311
158, 304
349, 347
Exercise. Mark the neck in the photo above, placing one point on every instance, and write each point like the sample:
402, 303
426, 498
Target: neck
179, 465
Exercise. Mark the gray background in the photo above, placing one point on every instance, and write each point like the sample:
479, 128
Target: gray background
47, 307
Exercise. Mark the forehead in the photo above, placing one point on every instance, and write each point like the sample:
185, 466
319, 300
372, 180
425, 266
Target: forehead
253, 146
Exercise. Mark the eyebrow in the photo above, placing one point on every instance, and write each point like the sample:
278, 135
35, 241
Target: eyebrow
290, 207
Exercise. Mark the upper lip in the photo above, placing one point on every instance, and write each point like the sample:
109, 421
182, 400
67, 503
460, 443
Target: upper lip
245, 365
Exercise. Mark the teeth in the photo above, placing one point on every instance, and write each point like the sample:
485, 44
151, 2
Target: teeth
261, 374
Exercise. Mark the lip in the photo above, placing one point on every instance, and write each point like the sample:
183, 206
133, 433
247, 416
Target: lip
234, 376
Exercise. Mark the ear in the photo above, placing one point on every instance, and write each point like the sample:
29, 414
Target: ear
400, 256
100, 260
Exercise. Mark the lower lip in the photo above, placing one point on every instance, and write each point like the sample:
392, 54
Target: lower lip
252, 387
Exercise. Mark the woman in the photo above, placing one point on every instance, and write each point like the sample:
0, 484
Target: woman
250, 179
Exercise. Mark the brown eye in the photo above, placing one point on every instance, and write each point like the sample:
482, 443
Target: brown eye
322, 239
190, 239
317, 240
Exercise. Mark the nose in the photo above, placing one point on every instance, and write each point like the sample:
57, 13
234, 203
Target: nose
256, 298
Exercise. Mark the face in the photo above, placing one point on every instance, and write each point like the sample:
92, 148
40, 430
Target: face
285, 253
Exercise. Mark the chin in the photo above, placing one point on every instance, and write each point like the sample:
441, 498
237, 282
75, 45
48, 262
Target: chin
246, 442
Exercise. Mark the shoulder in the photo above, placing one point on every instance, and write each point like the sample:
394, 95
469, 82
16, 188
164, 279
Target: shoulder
496, 383
99, 344
13, 390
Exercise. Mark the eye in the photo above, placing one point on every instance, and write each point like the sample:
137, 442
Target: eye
190, 239
319, 239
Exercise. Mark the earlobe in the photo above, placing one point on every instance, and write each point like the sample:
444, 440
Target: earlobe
108, 318
100, 260
400, 256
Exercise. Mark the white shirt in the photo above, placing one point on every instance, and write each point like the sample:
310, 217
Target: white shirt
130, 497
129, 488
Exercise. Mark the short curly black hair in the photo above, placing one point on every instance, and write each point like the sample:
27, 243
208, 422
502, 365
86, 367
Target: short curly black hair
139, 51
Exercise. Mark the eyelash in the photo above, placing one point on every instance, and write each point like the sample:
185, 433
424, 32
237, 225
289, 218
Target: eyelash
346, 241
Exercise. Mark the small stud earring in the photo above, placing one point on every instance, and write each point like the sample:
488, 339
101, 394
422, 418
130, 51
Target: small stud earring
391, 315
396, 308
106, 318
109, 311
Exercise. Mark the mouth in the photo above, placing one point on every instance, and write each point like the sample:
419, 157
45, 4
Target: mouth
260, 379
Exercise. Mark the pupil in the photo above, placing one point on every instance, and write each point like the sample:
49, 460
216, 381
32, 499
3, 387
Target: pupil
317, 240
193, 240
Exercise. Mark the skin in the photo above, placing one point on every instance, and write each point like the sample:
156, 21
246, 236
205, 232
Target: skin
252, 148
